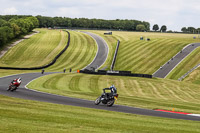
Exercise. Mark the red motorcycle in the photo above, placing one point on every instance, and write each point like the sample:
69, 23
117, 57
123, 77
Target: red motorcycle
14, 84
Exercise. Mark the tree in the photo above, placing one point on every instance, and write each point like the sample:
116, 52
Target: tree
163, 28
191, 29
184, 29
198, 30
140, 27
147, 25
16, 29
2, 22
155, 27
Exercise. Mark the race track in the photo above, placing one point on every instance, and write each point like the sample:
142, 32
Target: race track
172, 63
25, 93
102, 52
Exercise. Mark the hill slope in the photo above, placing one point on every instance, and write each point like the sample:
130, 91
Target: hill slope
139, 92
144, 56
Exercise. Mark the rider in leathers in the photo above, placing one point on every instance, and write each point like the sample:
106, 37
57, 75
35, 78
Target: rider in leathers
18, 80
112, 89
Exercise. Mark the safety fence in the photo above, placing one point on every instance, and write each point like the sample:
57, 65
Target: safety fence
45, 66
186, 74
115, 56
116, 73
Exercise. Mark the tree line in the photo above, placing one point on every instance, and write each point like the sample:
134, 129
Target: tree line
13, 26
190, 30
118, 24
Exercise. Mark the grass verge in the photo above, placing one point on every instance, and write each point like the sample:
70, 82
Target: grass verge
144, 56
188, 63
138, 92
22, 116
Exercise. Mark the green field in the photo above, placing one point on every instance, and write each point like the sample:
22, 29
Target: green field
22, 116
134, 55
42, 48
194, 77
144, 56
137, 92
38, 50
80, 53
188, 63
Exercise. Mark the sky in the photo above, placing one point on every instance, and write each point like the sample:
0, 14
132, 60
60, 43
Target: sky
175, 14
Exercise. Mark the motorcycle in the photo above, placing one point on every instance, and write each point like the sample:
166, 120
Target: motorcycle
13, 86
106, 98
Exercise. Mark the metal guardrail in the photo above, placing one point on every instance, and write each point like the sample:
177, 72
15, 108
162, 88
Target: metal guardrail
186, 74
115, 56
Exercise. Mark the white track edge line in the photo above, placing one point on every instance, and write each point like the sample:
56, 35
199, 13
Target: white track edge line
179, 63
174, 56
198, 115
97, 49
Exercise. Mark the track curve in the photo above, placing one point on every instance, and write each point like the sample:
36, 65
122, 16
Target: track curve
25, 93
174, 61
102, 52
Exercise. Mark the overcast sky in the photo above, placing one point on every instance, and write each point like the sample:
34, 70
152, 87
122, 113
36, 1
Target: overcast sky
175, 14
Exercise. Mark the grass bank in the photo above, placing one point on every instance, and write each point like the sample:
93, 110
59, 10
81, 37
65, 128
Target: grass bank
187, 64
144, 56
81, 52
137, 92
37, 50
22, 116
41, 49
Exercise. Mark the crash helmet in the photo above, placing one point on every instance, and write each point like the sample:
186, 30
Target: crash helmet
111, 86
19, 79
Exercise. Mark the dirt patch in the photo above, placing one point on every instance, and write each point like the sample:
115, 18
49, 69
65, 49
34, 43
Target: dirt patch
3, 52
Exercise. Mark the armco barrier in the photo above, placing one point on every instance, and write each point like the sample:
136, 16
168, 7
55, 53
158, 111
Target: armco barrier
115, 56
116, 73
45, 66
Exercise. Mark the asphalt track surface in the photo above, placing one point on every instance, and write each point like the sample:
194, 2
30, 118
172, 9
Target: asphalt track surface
173, 62
28, 94
102, 52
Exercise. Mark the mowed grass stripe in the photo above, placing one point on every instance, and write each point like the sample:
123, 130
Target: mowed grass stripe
171, 93
139, 92
33, 51
33, 116
122, 53
149, 67
136, 86
136, 58
74, 83
65, 57
144, 57
132, 48
130, 56
80, 53
188, 63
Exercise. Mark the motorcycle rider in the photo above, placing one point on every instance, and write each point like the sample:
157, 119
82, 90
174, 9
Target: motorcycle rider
18, 80
113, 90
